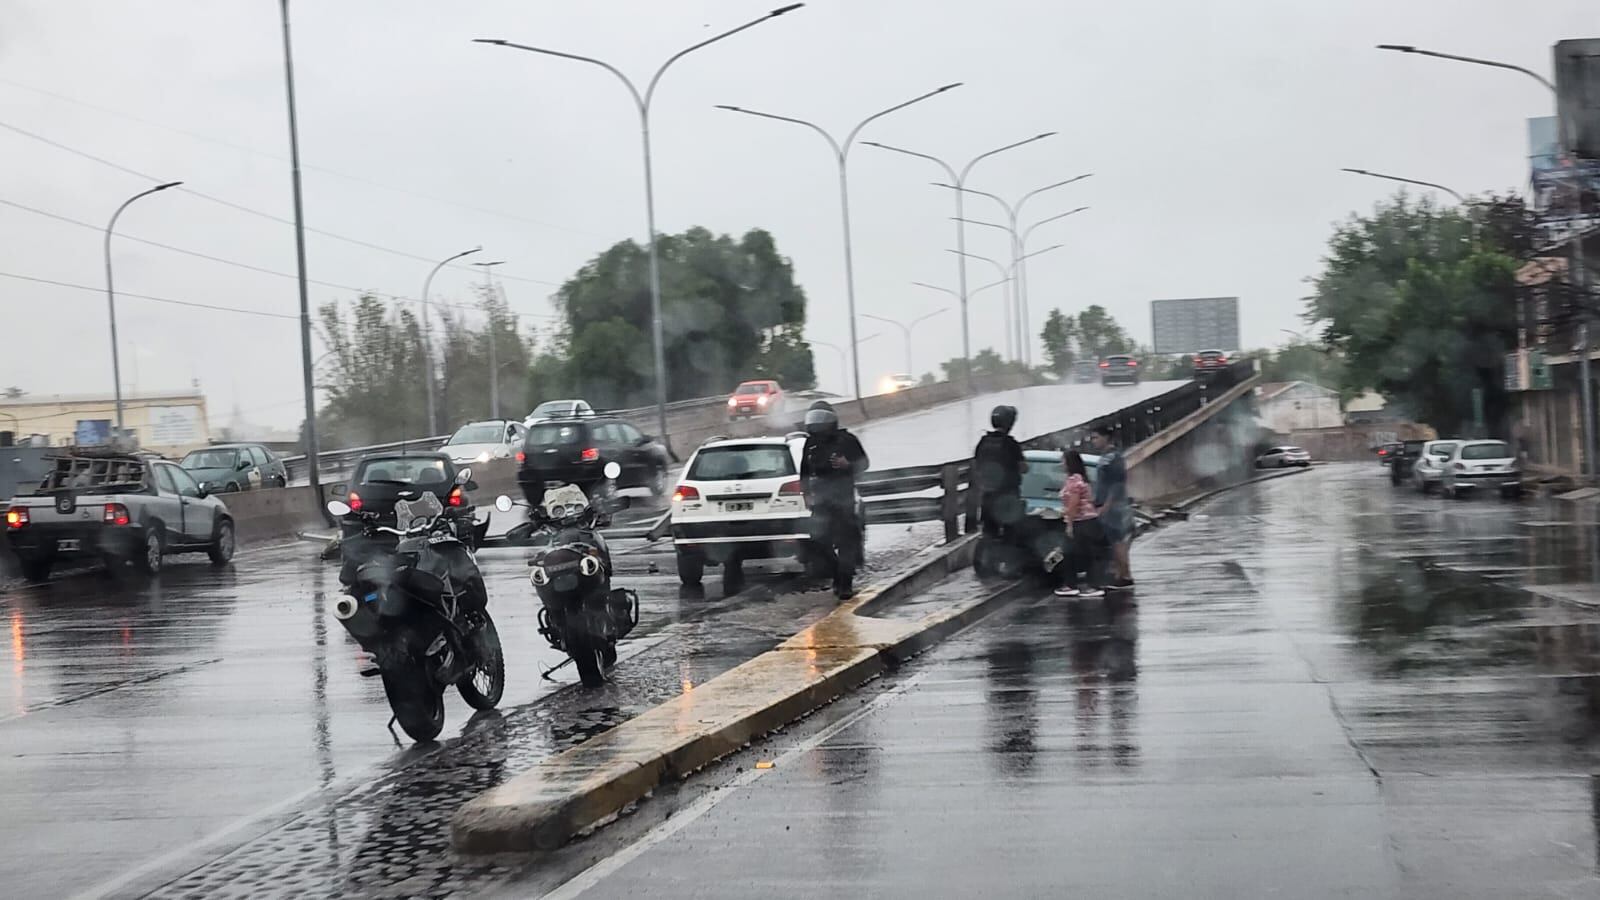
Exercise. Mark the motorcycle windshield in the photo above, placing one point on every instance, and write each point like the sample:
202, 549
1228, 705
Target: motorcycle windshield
409, 513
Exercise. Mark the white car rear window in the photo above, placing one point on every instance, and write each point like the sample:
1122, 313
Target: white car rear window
742, 463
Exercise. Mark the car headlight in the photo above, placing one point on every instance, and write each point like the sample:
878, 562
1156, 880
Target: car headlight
733, 401
484, 457
539, 576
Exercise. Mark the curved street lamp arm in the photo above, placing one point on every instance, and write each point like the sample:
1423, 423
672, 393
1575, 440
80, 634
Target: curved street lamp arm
1459, 198
638, 99
976, 291
1049, 187
982, 156
1037, 252
435, 270
850, 139
981, 222
995, 197
947, 167
926, 316
129, 202
650, 90
811, 125
937, 288
1407, 48
1004, 272
1029, 230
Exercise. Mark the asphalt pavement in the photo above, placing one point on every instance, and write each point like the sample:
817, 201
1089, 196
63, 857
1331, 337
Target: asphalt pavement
1327, 688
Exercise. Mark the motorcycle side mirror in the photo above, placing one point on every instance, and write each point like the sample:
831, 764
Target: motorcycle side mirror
613, 470
503, 503
338, 508
471, 485
464, 476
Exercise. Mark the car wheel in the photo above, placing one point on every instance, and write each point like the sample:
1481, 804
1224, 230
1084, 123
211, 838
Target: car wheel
149, 559
231, 488
691, 568
658, 482
222, 543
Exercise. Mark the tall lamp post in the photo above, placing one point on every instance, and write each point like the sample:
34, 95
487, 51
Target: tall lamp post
1427, 184
907, 328
1019, 289
111, 295
844, 370
427, 336
960, 179
1021, 240
841, 153
313, 466
642, 102
1579, 274
494, 368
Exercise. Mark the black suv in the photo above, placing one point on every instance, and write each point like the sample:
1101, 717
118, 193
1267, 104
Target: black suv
576, 450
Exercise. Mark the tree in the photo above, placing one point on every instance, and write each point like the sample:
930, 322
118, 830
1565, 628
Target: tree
372, 376
1099, 335
15, 393
730, 309
1421, 303
984, 362
1060, 336
464, 363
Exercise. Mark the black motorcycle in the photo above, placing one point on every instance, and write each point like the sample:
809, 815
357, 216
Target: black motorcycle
581, 614
421, 610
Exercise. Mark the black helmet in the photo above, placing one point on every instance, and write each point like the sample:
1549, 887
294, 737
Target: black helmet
821, 419
820, 404
1003, 417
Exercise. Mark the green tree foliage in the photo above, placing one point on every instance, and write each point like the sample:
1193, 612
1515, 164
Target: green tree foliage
1091, 334
371, 374
1060, 337
730, 310
1421, 303
984, 362
463, 357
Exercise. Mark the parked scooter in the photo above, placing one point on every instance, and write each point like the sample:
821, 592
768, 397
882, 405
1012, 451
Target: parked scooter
581, 614
421, 610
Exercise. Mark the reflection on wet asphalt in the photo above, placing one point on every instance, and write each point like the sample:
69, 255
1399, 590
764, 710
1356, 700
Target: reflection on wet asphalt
207, 733
1327, 688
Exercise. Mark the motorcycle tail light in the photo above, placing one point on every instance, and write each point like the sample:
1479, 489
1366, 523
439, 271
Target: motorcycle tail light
455, 498
16, 517
685, 492
353, 501
791, 489
590, 454
116, 514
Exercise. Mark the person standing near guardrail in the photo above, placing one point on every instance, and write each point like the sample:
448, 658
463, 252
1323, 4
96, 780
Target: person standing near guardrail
829, 464
997, 467
1113, 504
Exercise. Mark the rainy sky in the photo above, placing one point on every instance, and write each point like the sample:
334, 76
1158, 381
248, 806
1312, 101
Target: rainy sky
1215, 130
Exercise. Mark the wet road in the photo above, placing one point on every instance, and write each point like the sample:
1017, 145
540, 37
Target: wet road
1327, 689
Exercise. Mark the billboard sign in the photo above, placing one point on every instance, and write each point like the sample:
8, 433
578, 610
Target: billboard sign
1563, 189
1192, 325
1577, 67
92, 432
175, 426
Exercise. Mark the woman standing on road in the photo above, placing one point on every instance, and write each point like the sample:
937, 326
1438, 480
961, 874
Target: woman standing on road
1086, 540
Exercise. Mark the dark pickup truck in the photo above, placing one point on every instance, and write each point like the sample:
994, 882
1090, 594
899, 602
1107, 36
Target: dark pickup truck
1402, 458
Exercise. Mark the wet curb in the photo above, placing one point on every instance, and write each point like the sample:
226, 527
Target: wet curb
586, 785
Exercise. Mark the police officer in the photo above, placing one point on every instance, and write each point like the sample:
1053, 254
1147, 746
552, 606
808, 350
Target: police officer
829, 464
997, 467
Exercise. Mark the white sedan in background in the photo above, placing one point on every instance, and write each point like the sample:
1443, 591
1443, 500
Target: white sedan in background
1283, 458
480, 442
1481, 464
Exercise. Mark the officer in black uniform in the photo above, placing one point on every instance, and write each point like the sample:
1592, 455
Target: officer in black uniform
829, 464
997, 467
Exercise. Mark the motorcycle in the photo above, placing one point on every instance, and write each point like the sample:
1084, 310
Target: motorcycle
581, 614
421, 610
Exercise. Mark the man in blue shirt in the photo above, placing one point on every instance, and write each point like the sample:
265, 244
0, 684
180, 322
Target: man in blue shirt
1111, 499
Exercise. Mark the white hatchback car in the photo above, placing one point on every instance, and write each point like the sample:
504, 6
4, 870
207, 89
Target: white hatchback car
740, 499
1429, 467
1485, 464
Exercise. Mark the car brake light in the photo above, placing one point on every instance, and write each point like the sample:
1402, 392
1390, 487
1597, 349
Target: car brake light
590, 454
16, 517
116, 514
791, 489
521, 457
354, 502
1105, 365
685, 492
455, 498
1133, 364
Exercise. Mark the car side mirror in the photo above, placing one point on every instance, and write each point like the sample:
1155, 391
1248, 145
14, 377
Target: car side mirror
464, 476
205, 489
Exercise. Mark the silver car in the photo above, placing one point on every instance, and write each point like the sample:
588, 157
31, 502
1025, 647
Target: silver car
1283, 458
1429, 467
1481, 464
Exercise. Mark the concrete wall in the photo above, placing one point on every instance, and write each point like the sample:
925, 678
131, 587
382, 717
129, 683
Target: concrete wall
1209, 448
1356, 443
269, 516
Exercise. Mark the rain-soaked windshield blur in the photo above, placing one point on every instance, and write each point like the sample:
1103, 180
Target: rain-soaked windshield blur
765, 328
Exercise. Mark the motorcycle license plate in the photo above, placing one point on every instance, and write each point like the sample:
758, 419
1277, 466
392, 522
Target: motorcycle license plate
738, 506
67, 544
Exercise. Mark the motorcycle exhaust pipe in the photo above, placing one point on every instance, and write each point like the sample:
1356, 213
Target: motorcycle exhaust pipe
360, 619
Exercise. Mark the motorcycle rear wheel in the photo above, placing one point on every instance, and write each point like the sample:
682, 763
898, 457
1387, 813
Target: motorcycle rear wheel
587, 654
483, 685
417, 702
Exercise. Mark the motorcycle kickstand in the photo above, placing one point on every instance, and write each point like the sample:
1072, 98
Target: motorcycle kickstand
547, 672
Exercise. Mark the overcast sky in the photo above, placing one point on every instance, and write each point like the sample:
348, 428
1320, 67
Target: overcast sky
1214, 128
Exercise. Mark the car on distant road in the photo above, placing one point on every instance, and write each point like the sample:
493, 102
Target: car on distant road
1387, 451
483, 442
1481, 464
893, 383
1283, 458
576, 450
558, 409
118, 508
225, 468
1404, 460
1119, 369
1209, 362
756, 398
1428, 468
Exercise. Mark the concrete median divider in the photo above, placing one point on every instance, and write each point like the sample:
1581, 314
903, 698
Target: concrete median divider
274, 514
584, 786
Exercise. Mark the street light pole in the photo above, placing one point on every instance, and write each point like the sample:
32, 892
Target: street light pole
1005, 302
312, 464
642, 103
960, 178
841, 152
1429, 184
1579, 274
844, 371
427, 336
111, 296
907, 328
494, 368
1021, 240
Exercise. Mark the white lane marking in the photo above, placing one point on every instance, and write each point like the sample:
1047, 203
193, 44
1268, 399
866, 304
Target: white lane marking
596, 873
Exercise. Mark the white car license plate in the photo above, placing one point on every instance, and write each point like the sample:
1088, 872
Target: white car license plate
738, 506
67, 544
